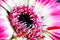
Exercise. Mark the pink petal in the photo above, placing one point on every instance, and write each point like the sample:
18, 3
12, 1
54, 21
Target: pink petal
55, 17
55, 34
53, 28
5, 27
45, 2
55, 37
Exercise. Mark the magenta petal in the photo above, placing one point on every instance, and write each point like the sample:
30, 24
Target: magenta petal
2, 34
55, 34
5, 28
56, 17
53, 28
45, 2
54, 37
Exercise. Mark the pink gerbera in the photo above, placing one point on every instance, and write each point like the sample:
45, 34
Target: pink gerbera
29, 20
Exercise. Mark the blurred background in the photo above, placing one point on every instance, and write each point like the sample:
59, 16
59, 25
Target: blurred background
58, 0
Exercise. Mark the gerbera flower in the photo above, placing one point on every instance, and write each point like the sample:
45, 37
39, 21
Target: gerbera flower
30, 20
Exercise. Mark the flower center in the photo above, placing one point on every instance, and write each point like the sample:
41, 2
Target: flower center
24, 19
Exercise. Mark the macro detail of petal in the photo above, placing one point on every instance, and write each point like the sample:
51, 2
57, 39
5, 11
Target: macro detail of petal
46, 1
53, 28
21, 2
55, 35
5, 28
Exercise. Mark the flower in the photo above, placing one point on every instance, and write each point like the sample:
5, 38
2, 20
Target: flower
32, 20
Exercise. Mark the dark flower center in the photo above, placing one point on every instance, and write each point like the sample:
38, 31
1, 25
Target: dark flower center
26, 19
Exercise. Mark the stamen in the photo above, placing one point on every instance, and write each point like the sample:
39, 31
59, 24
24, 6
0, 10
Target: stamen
27, 20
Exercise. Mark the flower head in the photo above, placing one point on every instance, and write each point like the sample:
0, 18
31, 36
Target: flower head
23, 20
33, 20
